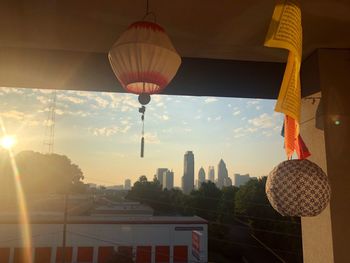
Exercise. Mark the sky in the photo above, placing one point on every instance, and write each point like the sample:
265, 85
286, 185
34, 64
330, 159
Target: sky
101, 132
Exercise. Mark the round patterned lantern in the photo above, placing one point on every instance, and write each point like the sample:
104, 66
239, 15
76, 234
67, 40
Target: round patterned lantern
144, 59
298, 188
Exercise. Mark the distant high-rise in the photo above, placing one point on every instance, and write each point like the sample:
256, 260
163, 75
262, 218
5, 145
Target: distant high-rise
168, 180
159, 174
241, 179
127, 184
188, 177
211, 174
222, 174
201, 177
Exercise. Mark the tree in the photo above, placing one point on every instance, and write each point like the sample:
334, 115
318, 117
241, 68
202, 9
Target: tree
227, 204
252, 206
206, 200
44, 173
147, 192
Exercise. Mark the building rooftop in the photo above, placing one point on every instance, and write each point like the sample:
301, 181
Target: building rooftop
57, 218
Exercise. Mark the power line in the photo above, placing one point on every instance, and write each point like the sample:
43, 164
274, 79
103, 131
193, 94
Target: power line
33, 236
217, 212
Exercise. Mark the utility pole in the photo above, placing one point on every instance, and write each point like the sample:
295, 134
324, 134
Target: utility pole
65, 215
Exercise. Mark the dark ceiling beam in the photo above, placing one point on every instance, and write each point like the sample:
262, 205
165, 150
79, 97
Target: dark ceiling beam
74, 70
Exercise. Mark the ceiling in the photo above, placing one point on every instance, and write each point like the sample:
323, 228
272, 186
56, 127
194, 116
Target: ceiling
220, 29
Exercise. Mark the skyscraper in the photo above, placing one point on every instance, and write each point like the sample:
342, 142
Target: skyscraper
222, 174
201, 177
159, 174
211, 174
188, 177
241, 179
168, 180
127, 184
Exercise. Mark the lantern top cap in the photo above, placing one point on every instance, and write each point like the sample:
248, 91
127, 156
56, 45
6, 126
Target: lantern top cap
146, 25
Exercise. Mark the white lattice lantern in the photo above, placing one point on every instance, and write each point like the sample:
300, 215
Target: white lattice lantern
298, 188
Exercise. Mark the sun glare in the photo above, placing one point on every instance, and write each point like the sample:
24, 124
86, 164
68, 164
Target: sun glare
8, 142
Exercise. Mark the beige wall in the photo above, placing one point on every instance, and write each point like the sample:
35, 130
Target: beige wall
326, 238
316, 231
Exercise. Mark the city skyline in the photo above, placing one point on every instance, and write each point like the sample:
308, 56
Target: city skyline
100, 132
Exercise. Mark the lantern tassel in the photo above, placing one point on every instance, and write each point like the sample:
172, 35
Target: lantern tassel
142, 111
142, 146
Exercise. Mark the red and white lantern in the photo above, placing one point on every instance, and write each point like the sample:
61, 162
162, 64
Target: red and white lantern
144, 59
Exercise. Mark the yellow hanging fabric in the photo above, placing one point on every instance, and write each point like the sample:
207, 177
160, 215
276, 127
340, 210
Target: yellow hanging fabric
285, 31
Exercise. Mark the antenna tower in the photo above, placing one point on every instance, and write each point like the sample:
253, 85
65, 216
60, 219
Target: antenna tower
49, 139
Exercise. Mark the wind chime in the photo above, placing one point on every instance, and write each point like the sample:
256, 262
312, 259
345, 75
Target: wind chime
144, 61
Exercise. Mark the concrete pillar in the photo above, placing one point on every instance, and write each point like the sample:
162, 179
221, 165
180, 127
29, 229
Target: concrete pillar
325, 127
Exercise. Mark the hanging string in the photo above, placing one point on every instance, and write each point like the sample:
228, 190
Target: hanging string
149, 13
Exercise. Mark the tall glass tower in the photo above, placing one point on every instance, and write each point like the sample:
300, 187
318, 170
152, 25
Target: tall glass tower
188, 177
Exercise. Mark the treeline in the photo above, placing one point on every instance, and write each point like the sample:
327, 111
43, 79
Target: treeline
39, 173
226, 210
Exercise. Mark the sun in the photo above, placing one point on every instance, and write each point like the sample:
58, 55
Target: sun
8, 142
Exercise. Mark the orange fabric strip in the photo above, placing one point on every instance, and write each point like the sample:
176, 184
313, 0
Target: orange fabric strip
291, 133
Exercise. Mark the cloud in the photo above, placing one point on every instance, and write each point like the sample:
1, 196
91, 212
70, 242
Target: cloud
163, 117
264, 124
71, 99
45, 91
264, 121
157, 98
238, 135
267, 133
109, 131
257, 107
59, 111
24, 118
13, 114
102, 103
79, 113
43, 99
237, 130
253, 102
210, 100
252, 129
11, 90
218, 118
151, 138
235, 113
